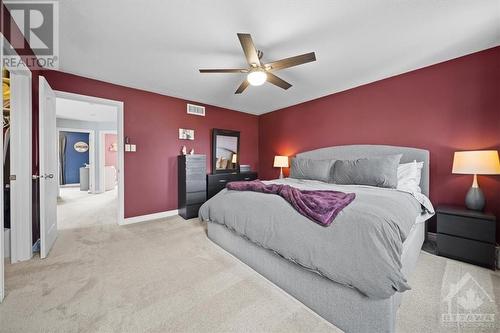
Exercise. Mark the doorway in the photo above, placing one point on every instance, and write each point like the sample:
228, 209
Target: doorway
88, 166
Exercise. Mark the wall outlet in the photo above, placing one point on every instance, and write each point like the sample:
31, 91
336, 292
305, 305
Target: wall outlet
127, 147
133, 148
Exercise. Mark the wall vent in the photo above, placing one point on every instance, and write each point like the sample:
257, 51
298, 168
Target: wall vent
196, 110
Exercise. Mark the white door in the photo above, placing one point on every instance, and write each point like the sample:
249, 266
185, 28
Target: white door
48, 167
20, 165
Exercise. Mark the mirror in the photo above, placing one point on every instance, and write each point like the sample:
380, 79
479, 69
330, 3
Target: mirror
225, 151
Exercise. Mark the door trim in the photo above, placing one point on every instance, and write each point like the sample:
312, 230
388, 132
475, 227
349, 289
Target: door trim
2, 273
102, 157
92, 150
21, 140
121, 139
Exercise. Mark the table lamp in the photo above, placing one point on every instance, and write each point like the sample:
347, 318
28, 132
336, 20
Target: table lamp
479, 162
281, 162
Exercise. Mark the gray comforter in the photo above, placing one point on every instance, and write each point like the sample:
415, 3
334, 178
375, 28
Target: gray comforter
361, 248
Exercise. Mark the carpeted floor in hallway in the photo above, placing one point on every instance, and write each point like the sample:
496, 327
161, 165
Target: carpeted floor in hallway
77, 209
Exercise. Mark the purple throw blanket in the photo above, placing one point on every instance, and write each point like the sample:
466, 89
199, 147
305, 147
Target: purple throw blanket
320, 206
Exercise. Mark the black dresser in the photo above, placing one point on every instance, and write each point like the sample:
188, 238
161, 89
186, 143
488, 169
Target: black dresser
192, 171
217, 182
466, 235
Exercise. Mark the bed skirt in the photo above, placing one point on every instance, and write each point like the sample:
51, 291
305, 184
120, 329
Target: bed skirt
342, 306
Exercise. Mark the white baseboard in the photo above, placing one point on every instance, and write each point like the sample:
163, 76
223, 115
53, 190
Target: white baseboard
150, 217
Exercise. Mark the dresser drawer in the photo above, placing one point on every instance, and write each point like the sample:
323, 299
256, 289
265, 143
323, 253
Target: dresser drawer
192, 159
196, 173
196, 197
220, 179
466, 227
467, 250
217, 182
196, 185
248, 176
214, 189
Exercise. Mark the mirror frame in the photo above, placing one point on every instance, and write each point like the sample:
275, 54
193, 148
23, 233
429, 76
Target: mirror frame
215, 133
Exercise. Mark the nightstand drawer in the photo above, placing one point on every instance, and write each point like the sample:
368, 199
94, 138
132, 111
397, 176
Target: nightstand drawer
471, 251
466, 227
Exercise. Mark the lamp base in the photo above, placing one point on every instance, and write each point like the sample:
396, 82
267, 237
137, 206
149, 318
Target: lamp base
281, 173
474, 199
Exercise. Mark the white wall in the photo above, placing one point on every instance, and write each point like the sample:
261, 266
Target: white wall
96, 127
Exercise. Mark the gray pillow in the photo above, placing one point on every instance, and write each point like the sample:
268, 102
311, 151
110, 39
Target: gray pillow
302, 168
375, 171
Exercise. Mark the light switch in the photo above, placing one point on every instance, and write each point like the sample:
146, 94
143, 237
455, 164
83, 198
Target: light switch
127, 147
133, 148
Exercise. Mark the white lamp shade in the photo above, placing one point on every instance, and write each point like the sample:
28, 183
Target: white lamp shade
479, 162
281, 161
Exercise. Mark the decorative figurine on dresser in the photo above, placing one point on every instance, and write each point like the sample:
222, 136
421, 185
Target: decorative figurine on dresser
192, 172
226, 162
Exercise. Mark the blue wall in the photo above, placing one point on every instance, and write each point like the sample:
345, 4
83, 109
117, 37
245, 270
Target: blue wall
97, 127
74, 159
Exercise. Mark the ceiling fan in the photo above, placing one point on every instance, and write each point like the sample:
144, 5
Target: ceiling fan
258, 72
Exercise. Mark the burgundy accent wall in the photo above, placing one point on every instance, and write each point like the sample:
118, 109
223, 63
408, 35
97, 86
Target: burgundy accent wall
152, 122
447, 107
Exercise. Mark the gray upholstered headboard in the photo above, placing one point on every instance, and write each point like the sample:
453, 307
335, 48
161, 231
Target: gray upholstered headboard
353, 152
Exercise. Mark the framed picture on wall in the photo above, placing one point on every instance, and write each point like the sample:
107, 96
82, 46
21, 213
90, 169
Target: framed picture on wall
186, 134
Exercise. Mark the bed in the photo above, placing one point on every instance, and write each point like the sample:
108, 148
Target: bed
350, 299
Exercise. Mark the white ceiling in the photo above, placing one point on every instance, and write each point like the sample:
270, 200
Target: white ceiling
159, 45
78, 110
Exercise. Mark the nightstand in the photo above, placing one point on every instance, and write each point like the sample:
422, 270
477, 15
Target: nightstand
466, 235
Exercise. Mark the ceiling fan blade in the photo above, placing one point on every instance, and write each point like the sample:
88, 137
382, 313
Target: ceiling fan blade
224, 70
242, 87
249, 49
271, 78
290, 62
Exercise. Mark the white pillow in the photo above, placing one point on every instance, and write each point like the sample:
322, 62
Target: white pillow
409, 175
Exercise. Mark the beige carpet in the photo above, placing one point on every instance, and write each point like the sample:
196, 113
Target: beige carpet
76, 209
166, 276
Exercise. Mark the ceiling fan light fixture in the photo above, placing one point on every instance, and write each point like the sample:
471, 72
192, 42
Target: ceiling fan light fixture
257, 77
